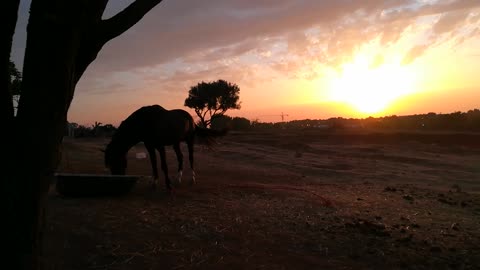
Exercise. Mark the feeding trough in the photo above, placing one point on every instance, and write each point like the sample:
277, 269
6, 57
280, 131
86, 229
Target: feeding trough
87, 185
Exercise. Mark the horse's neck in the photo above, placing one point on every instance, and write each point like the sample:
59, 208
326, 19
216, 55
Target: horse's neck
123, 142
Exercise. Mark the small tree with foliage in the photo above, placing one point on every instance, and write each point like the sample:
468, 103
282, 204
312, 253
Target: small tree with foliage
212, 99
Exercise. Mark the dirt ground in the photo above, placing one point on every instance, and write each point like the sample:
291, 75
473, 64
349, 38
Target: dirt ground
296, 200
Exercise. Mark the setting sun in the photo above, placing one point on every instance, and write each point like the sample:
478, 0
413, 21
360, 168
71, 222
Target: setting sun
370, 87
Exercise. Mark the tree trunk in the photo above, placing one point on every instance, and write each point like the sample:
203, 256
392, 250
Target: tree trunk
63, 38
47, 90
55, 33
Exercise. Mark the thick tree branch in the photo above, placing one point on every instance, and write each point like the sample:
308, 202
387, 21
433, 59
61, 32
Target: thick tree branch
109, 29
91, 42
125, 19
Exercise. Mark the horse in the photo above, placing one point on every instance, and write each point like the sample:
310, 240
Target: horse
156, 127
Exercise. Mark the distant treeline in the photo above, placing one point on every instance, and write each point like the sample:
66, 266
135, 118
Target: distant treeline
457, 121
96, 130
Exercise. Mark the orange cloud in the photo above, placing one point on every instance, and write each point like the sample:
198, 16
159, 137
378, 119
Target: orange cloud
414, 53
450, 21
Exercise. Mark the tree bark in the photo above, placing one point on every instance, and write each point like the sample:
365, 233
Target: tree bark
63, 38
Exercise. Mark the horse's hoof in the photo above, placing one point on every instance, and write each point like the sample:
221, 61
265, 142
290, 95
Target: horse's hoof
179, 177
193, 182
153, 183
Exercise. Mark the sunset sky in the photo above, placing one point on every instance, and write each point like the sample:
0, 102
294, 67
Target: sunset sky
306, 58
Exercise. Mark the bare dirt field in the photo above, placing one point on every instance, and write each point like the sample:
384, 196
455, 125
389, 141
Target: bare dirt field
290, 200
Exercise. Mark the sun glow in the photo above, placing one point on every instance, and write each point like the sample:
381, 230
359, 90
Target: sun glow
368, 88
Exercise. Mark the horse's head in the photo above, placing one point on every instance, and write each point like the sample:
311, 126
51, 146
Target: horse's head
115, 160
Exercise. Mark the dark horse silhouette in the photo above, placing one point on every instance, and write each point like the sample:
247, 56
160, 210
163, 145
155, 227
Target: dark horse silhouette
156, 127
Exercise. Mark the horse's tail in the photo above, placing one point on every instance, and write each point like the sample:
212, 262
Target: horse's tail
208, 136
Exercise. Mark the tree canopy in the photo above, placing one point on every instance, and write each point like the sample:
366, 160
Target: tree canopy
213, 99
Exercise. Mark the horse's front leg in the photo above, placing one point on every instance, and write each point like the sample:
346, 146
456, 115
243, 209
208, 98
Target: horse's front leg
190, 158
179, 154
153, 162
163, 160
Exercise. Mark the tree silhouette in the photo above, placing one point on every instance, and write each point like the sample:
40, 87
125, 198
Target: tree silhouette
63, 38
96, 128
231, 123
212, 99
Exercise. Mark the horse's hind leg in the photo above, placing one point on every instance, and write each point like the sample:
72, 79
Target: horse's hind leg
179, 154
153, 162
163, 160
190, 158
